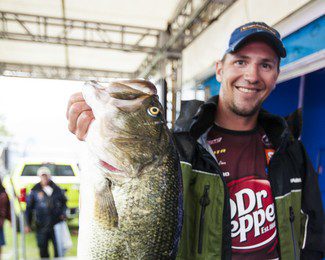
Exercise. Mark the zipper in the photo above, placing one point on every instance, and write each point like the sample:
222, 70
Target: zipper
204, 202
275, 203
291, 212
292, 218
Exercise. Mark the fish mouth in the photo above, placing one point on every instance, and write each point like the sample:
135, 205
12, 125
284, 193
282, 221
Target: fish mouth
125, 95
131, 88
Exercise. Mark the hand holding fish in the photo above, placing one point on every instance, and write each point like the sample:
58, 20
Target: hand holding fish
79, 116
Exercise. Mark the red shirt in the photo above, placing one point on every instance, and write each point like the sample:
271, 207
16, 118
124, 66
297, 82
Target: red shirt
243, 157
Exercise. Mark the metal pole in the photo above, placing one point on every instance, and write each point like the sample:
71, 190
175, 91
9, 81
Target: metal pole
301, 91
13, 197
4, 166
173, 90
14, 226
22, 235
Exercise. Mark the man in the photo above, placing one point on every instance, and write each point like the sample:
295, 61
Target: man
49, 203
250, 191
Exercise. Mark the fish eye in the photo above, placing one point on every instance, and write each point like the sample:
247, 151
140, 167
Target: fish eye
153, 111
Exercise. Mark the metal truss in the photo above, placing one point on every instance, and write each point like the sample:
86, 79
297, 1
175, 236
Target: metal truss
57, 72
72, 32
190, 20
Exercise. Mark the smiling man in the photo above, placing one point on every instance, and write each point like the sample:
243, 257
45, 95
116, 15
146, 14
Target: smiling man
250, 191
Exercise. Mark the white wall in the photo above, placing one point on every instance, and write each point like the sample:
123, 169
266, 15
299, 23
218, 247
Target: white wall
199, 57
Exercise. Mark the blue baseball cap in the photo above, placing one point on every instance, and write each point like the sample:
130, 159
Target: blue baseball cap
256, 29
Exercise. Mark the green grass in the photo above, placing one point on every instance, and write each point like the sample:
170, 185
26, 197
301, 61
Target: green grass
31, 244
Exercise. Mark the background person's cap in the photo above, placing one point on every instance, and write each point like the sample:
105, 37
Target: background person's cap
43, 170
256, 29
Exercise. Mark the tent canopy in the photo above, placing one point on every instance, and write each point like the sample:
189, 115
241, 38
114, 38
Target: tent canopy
94, 28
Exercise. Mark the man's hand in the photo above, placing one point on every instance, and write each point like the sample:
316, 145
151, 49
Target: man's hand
79, 116
27, 229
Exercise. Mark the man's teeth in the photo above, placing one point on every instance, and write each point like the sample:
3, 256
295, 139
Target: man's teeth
247, 90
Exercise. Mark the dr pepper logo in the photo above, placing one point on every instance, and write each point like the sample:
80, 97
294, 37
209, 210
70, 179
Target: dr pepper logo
252, 214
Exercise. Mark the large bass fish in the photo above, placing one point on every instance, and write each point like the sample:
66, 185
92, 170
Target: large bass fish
131, 194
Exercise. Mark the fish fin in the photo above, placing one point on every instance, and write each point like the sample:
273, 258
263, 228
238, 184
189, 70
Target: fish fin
105, 210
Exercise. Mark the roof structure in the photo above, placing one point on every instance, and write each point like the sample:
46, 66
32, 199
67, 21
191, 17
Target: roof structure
80, 40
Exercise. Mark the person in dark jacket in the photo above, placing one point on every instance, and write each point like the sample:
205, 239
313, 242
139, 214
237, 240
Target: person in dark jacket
48, 202
4, 213
250, 191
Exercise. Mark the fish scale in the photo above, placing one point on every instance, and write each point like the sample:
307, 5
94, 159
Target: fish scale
136, 211
141, 231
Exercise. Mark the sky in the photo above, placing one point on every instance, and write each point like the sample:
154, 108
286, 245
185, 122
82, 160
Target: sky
34, 112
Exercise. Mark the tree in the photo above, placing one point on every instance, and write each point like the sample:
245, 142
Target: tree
3, 129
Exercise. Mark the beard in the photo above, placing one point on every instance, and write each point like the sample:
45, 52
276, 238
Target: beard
245, 112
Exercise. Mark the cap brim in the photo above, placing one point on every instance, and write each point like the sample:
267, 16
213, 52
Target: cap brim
43, 173
275, 43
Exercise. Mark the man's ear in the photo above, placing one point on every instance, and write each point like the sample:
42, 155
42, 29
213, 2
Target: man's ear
219, 71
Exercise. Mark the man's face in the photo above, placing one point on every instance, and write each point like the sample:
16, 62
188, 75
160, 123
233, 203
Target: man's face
247, 77
44, 179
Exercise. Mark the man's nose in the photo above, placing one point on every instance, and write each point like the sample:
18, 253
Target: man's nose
252, 74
